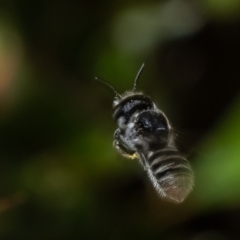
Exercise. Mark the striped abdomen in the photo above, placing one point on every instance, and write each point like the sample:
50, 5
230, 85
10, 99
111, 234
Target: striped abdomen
171, 174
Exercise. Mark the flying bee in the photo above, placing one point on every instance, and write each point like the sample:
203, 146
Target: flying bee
145, 133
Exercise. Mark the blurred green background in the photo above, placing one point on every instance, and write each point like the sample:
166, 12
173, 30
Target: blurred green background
60, 178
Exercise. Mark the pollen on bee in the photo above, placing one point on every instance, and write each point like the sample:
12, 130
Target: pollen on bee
133, 157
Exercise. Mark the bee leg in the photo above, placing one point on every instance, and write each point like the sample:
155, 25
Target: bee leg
142, 160
121, 147
116, 134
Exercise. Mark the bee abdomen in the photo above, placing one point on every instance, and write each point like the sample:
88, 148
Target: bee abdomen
172, 173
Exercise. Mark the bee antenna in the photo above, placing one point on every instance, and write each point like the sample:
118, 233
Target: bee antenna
137, 77
108, 85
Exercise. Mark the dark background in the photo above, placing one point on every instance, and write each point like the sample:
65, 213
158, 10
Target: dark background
60, 178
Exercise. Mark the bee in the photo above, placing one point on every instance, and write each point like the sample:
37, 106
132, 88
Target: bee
145, 133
